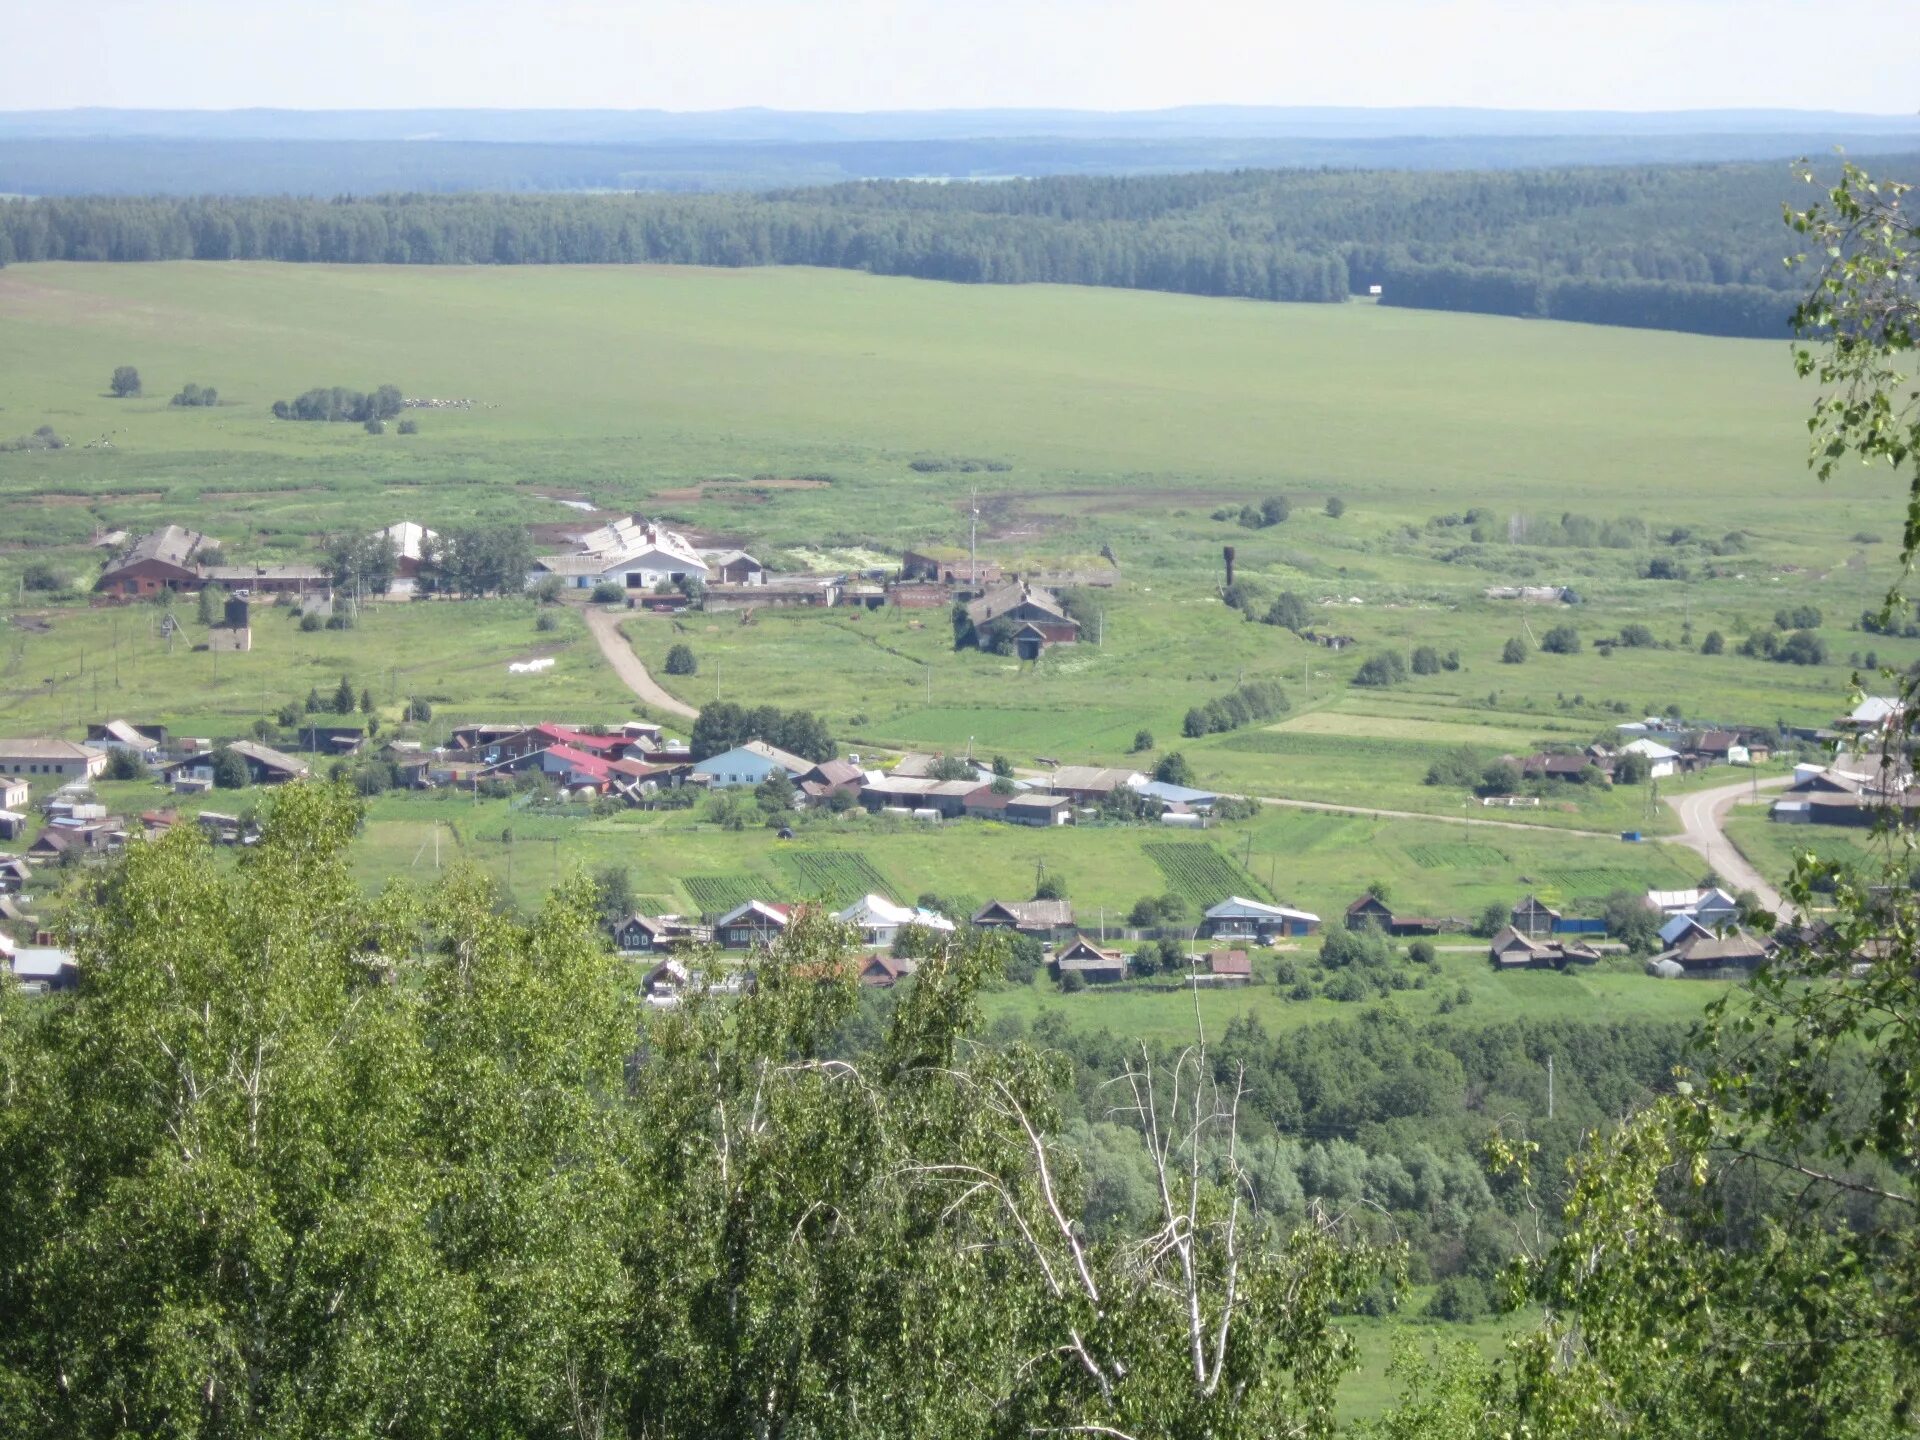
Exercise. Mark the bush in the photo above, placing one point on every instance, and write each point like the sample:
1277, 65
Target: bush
1502, 777
608, 593
1637, 637
1173, 769
1714, 644
1072, 982
1348, 986
1459, 1297
1632, 768
1381, 671
194, 395
125, 383
417, 710
1289, 612
1142, 740
1561, 640
42, 576
1051, 887
1426, 660
1275, 509
682, 661
1422, 952
1336, 507
1514, 652
229, 770
409, 426
1151, 910
310, 622
374, 426
125, 765
546, 620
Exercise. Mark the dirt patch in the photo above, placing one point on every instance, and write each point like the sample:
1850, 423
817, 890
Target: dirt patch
745, 492
261, 494
35, 624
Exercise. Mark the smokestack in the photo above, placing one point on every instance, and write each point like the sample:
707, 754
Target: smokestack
1226, 554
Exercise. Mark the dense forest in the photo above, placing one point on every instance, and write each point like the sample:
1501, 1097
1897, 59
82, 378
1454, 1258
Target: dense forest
1695, 248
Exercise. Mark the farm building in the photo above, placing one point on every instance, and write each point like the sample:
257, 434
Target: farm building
42, 756
1662, 760
1039, 810
1700, 953
733, 567
1222, 967
632, 553
882, 972
1033, 615
158, 561
1089, 784
267, 766
1237, 918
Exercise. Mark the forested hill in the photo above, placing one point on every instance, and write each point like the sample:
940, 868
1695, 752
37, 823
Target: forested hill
1695, 248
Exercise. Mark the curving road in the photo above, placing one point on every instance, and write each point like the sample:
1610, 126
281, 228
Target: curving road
1702, 829
605, 625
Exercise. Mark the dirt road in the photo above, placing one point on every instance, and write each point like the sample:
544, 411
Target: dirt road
605, 625
1702, 819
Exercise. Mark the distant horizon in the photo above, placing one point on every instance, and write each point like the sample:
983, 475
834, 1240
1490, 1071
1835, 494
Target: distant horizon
1239, 106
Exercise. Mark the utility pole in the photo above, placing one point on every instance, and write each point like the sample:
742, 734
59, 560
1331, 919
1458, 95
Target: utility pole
973, 542
1549, 1087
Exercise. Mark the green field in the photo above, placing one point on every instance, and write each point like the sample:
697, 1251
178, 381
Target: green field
784, 410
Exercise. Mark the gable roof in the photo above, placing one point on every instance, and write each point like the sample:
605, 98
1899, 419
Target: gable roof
267, 756
787, 761
1083, 954
407, 538
757, 910
878, 910
1092, 777
1369, 904
1239, 907
1032, 913
170, 545
998, 602
1652, 749
1229, 962
1534, 905
45, 747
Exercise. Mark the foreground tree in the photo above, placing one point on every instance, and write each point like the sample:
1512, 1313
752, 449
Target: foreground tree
295, 1163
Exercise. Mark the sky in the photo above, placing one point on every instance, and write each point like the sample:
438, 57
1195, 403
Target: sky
926, 54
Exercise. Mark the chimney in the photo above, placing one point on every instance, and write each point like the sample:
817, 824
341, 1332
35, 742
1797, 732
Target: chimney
1226, 554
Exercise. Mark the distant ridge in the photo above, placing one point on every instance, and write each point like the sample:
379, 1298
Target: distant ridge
754, 125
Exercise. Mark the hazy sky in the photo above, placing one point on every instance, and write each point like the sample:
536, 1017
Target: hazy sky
920, 54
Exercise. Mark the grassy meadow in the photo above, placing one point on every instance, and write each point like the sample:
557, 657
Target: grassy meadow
784, 410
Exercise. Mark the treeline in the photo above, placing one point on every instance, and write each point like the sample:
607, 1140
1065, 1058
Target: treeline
1255, 701
724, 725
1670, 247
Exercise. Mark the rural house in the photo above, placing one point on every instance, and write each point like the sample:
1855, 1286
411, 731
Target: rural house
1372, 910
640, 934
1512, 950
880, 921
753, 924
136, 740
1088, 784
1662, 760
1699, 953
1090, 962
665, 982
15, 793
38, 757
267, 766
884, 971
1041, 919
1534, 917
1711, 907
412, 544
1237, 918
747, 764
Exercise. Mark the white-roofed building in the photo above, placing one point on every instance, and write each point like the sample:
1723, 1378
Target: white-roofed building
880, 921
630, 553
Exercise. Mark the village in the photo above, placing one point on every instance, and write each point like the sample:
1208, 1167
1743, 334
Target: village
50, 809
